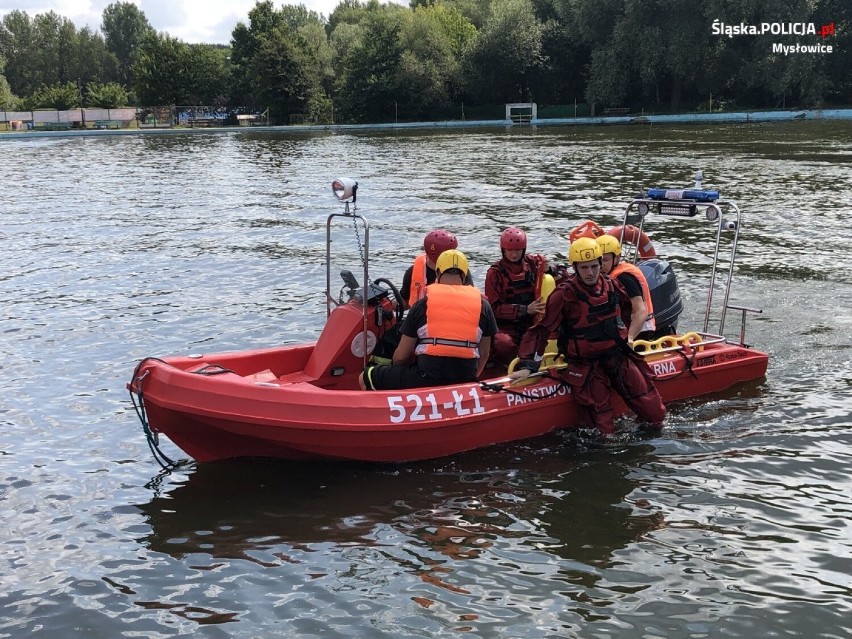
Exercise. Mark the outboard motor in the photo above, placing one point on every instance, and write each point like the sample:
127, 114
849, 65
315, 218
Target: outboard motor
665, 294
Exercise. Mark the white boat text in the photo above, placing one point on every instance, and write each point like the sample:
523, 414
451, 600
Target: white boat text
417, 408
535, 394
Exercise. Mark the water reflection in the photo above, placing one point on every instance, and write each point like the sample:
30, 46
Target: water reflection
594, 515
575, 504
120, 248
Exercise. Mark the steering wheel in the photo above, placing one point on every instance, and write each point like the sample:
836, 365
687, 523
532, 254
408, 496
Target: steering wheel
397, 296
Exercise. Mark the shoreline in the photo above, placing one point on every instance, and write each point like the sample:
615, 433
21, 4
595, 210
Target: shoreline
685, 118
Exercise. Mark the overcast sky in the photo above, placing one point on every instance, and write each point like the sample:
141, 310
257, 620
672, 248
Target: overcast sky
209, 21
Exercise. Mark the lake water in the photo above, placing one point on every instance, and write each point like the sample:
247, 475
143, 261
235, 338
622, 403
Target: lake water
735, 522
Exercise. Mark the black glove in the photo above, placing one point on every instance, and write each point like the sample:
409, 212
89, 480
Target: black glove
529, 364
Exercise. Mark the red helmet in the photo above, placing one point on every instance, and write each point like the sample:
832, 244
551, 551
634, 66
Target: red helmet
438, 241
513, 238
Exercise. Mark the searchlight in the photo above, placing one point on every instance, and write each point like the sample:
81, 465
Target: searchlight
344, 189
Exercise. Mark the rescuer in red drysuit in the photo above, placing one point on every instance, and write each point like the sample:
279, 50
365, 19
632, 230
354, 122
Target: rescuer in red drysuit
513, 288
590, 311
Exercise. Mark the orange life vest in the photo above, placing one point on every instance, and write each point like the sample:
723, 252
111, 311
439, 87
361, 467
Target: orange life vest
418, 280
452, 322
626, 267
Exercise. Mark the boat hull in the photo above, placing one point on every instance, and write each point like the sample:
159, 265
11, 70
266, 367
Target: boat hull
260, 404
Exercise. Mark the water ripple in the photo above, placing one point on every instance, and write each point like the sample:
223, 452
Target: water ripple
734, 522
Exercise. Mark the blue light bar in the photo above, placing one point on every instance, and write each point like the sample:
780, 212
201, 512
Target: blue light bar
694, 195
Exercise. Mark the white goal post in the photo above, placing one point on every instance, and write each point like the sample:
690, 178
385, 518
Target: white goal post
521, 112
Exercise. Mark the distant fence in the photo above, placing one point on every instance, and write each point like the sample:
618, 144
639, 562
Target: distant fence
206, 116
127, 117
156, 117
53, 118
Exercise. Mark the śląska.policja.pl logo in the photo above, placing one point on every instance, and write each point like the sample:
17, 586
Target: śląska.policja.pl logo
784, 29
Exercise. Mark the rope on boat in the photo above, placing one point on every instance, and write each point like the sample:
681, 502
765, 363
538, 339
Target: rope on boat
212, 369
151, 436
688, 361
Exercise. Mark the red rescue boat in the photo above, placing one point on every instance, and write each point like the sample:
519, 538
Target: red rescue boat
302, 401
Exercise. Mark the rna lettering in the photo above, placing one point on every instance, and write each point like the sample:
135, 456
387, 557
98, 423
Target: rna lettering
664, 368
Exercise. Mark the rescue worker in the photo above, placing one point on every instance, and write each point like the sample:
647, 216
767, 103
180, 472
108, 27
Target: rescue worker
422, 273
513, 287
642, 323
448, 332
589, 311
414, 282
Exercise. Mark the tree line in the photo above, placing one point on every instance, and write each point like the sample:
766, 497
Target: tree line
372, 62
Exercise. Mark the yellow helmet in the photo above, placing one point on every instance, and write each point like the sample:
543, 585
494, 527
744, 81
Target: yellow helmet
450, 260
584, 249
609, 244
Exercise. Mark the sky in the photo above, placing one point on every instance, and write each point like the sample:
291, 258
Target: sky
208, 21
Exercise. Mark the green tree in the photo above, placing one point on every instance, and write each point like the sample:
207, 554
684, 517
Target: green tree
62, 54
284, 75
608, 77
838, 64
674, 49
39, 52
476, 11
58, 96
53, 41
124, 27
758, 76
297, 16
433, 38
209, 74
457, 28
162, 70
321, 59
346, 33
369, 85
282, 60
93, 62
17, 47
379, 61
347, 12
48, 50
8, 101
663, 53
561, 76
263, 19
506, 53
106, 96
242, 49
645, 52
245, 40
